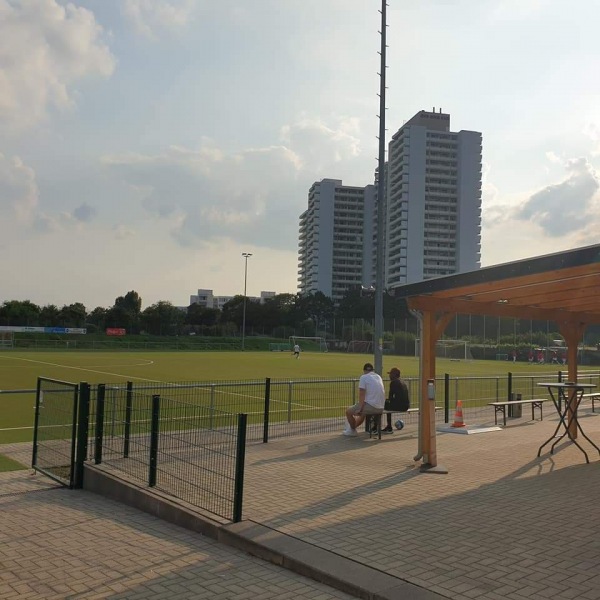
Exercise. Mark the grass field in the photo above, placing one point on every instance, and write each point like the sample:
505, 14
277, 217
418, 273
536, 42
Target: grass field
20, 370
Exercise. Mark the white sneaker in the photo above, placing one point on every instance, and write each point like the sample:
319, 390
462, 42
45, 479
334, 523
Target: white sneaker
350, 432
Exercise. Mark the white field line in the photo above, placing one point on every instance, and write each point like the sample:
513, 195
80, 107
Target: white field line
88, 370
128, 377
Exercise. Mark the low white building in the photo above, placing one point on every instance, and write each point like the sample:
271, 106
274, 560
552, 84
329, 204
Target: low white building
207, 299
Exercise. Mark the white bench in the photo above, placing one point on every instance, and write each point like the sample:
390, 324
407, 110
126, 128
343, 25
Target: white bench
500, 407
593, 397
377, 418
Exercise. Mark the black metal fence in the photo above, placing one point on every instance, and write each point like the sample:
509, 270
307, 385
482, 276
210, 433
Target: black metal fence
188, 439
189, 450
279, 408
55, 430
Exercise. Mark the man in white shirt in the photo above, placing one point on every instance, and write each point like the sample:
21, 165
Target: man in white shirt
297, 351
371, 399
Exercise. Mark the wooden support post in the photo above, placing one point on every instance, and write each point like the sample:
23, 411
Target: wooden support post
431, 331
573, 333
427, 413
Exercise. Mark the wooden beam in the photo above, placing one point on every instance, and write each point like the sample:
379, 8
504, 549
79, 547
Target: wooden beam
519, 281
469, 307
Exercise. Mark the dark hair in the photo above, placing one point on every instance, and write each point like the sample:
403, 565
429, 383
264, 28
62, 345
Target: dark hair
368, 367
394, 372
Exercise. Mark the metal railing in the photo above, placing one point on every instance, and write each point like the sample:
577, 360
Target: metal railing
55, 430
188, 439
190, 451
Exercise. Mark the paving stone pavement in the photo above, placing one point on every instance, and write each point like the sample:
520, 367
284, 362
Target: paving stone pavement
502, 524
60, 543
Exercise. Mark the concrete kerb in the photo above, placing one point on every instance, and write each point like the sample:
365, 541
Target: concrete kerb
301, 557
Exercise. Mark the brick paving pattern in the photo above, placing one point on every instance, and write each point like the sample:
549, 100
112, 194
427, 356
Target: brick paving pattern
503, 524
60, 543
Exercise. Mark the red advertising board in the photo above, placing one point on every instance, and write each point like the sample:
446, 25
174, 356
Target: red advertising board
115, 331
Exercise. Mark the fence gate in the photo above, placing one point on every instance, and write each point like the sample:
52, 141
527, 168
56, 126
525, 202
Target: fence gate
61, 409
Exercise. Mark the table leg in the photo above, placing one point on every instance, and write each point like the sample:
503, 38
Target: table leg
561, 421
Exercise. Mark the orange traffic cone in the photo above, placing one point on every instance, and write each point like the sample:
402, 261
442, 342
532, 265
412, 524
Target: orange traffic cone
458, 415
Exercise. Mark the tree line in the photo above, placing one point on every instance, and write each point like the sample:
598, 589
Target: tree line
279, 316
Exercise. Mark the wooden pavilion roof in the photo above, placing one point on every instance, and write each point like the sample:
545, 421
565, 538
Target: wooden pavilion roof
562, 287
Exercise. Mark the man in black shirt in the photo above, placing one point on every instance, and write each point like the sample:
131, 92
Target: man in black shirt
397, 399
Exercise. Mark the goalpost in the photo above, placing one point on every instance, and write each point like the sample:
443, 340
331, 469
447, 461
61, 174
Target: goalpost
313, 342
360, 346
452, 349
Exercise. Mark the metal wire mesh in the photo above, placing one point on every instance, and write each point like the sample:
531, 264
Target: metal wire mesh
196, 448
56, 419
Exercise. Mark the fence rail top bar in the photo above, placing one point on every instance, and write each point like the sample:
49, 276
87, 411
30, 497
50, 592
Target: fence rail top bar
58, 381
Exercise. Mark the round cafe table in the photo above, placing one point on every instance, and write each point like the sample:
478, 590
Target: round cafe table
571, 393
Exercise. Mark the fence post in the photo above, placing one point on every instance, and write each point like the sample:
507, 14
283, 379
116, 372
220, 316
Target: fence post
99, 424
240, 461
154, 440
509, 385
128, 410
290, 394
39, 399
82, 433
446, 398
266, 410
212, 406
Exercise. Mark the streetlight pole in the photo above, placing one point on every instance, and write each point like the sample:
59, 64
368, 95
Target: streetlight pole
246, 256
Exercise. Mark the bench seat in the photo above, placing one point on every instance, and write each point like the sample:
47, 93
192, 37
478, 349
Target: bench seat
593, 397
500, 407
377, 418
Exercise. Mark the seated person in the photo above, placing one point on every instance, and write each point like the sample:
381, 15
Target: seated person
371, 400
398, 399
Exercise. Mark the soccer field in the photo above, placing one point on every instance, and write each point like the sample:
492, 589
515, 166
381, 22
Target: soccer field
20, 370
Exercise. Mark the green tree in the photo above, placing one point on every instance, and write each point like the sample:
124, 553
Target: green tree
19, 313
162, 318
73, 315
49, 316
126, 312
98, 318
202, 315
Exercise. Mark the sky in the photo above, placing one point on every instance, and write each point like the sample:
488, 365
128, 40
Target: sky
146, 144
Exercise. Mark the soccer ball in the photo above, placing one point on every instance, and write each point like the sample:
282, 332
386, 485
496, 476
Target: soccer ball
399, 424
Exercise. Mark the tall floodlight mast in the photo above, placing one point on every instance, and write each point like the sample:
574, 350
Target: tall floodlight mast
379, 257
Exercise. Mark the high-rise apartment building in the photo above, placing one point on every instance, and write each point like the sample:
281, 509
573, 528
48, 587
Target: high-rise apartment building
336, 238
433, 200
432, 214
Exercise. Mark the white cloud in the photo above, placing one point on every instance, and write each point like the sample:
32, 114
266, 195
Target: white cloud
320, 145
20, 200
150, 16
122, 233
559, 216
19, 192
255, 195
592, 131
564, 208
45, 48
